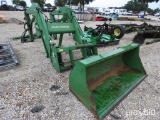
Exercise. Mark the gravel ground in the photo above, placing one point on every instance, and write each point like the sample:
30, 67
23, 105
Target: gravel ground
28, 85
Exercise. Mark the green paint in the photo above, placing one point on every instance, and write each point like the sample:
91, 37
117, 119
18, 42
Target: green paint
107, 78
46, 28
115, 83
113, 89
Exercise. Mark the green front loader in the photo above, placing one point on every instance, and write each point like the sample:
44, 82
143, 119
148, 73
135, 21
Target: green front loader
100, 82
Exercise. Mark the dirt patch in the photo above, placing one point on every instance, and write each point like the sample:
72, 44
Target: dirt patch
119, 70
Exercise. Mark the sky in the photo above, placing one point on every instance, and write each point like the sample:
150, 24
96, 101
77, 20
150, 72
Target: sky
98, 3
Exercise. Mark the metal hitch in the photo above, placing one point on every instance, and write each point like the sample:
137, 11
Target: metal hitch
101, 82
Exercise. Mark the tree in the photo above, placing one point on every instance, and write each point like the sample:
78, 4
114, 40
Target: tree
74, 2
60, 2
40, 2
19, 2
150, 11
146, 3
16, 2
48, 5
4, 7
81, 2
22, 3
11, 8
156, 10
135, 6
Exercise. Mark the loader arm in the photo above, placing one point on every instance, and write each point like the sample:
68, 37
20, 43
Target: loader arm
69, 17
48, 27
35, 10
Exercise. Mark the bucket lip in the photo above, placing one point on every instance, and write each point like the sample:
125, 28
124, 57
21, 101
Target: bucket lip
107, 55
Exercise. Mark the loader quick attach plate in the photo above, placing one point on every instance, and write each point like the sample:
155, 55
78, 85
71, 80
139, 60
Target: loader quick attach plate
7, 56
102, 82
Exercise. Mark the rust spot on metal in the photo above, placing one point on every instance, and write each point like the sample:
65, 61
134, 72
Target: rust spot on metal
92, 100
94, 112
118, 70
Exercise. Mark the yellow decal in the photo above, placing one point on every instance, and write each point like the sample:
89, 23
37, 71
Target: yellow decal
60, 50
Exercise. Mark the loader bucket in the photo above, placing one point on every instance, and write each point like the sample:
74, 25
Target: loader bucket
101, 82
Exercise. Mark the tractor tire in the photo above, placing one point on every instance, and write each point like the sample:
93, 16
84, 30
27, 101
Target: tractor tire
118, 31
139, 38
